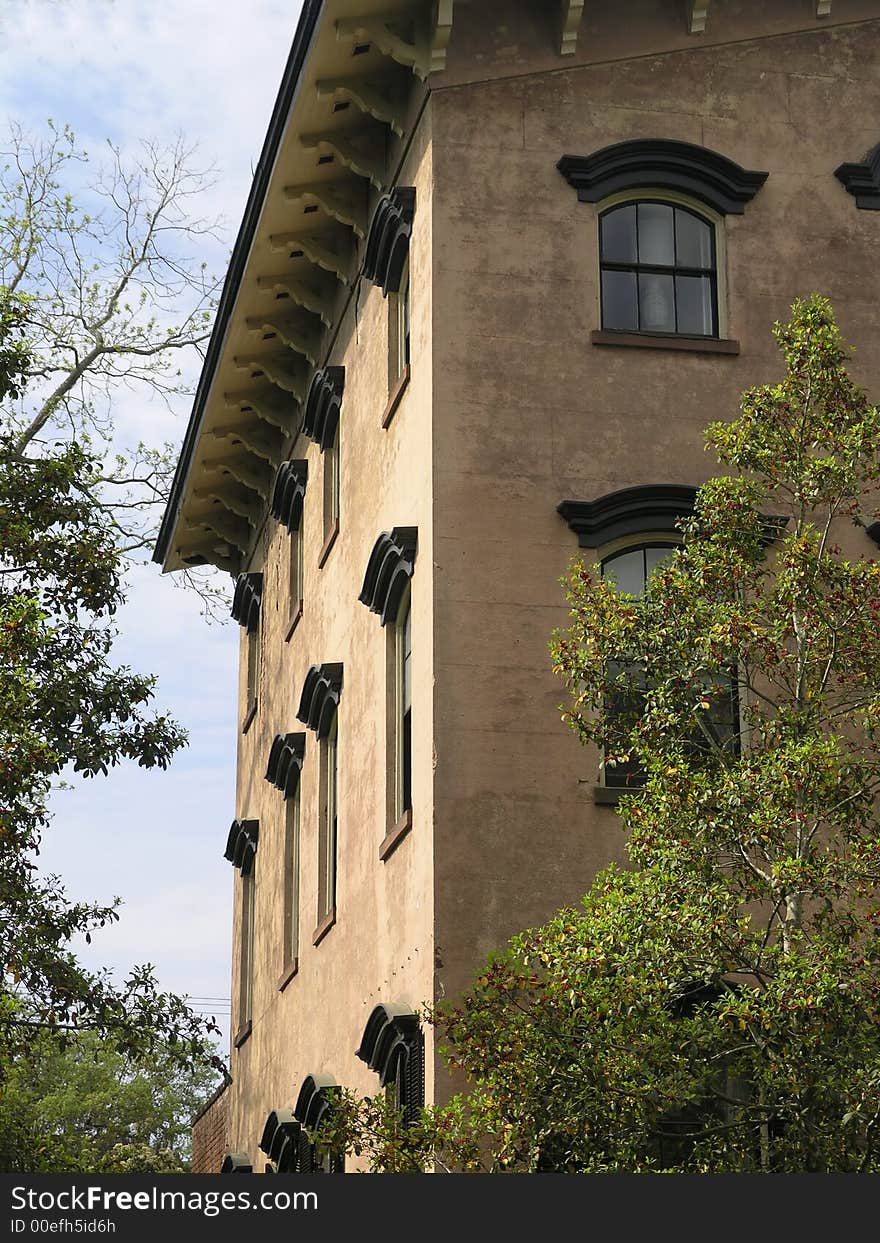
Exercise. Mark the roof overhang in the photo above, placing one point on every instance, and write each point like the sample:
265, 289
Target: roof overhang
353, 89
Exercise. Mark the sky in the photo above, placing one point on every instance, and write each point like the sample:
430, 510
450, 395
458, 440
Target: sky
128, 70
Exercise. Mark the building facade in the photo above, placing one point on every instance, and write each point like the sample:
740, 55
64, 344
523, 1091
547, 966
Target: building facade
501, 264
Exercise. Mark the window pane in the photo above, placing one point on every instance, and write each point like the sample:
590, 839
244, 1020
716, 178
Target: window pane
619, 235
619, 301
656, 242
693, 295
627, 571
655, 557
656, 302
693, 241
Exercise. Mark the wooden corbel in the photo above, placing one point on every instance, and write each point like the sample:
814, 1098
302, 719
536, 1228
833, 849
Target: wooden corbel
416, 39
317, 298
369, 98
296, 337
345, 201
331, 252
361, 151
282, 371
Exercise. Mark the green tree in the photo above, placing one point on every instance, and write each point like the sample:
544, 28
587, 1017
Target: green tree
64, 704
715, 1007
86, 1109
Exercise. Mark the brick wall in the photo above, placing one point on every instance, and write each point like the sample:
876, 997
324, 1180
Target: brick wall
209, 1130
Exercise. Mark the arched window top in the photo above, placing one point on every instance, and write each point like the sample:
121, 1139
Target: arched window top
289, 493
285, 762
320, 698
630, 568
321, 417
659, 269
862, 180
387, 246
695, 171
388, 572
629, 512
246, 601
315, 1097
388, 1027
280, 1140
236, 1163
241, 844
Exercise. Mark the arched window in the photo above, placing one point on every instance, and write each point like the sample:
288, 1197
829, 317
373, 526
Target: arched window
393, 1045
659, 269
630, 570
403, 707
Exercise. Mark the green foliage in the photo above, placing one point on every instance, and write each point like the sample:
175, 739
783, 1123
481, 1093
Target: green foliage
64, 704
717, 1006
86, 1109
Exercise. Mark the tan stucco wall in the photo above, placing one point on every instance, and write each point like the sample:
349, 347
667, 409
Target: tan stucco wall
510, 410
381, 946
527, 412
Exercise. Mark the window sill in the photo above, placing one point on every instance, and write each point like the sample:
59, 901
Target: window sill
396, 835
324, 927
610, 796
295, 619
397, 392
249, 717
242, 1034
328, 544
290, 970
665, 341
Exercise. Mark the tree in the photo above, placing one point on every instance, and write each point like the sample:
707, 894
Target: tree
103, 277
86, 1109
715, 1007
64, 704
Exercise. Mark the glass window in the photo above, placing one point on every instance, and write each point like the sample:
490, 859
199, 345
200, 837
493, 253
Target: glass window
252, 657
398, 328
658, 270
327, 829
331, 486
296, 569
403, 700
629, 571
291, 880
246, 945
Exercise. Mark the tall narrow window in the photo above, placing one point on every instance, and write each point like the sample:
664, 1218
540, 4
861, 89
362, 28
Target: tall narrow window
629, 571
291, 881
398, 328
718, 726
246, 942
295, 577
659, 270
327, 828
403, 707
252, 658
331, 490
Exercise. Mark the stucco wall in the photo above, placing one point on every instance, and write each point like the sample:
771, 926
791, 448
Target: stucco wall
380, 948
528, 413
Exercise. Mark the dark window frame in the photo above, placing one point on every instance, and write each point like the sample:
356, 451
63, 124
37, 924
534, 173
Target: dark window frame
674, 270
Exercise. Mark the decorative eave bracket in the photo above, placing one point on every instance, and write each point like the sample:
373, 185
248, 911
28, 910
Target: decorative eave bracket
344, 201
295, 336
282, 371
315, 248
361, 151
369, 97
316, 299
418, 41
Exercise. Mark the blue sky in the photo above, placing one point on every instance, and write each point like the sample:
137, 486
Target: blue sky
128, 70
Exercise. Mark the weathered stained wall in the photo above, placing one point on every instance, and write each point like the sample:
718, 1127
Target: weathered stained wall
528, 412
380, 948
